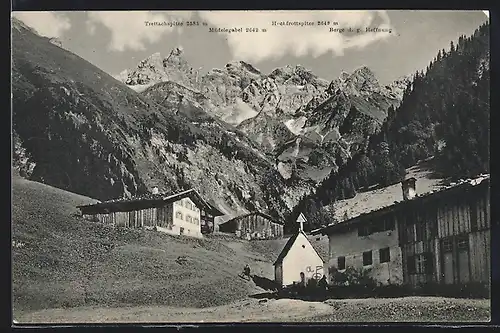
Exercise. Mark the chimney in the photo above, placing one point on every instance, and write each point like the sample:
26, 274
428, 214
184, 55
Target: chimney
155, 190
409, 189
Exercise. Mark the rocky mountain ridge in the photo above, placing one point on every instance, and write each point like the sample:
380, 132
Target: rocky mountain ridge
308, 125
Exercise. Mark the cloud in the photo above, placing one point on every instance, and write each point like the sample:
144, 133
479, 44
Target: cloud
129, 29
48, 24
298, 40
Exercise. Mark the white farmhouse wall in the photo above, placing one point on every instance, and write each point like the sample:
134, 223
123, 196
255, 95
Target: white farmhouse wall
351, 246
186, 216
301, 258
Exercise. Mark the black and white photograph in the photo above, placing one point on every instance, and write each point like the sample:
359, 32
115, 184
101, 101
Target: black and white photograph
285, 166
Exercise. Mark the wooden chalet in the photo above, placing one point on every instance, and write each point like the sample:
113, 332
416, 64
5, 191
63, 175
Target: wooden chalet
184, 213
442, 236
254, 225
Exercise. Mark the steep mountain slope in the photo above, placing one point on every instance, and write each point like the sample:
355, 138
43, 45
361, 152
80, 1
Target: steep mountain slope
445, 113
77, 128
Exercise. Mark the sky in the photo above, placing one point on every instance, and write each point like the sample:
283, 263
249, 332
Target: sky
407, 40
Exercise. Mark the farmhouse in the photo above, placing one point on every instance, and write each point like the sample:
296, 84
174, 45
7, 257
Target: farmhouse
298, 262
441, 236
184, 213
254, 225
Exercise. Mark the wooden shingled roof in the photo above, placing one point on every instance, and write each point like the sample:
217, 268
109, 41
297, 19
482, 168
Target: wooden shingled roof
450, 189
269, 217
149, 201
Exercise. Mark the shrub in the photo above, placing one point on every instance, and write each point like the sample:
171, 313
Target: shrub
352, 276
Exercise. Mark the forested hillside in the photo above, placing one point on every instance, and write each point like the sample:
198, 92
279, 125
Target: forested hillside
444, 113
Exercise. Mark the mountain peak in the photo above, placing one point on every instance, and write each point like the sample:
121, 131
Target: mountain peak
175, 58
242, 65
155, 68
364, 71
344, 76
153, 60
362, 79
297, 74
177, 51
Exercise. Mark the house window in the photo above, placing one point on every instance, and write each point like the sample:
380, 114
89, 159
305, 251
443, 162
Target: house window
423, 263
367, 258
378, 226
385, 255
420, 231
419, 264
389, 223
420, 227
364, 230
196, 221
181, 230
463, 242
189, 219
178, 215
384, 224
447, 245
341, 263
429, 263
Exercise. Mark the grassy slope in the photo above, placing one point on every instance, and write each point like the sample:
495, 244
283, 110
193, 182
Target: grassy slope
68, 262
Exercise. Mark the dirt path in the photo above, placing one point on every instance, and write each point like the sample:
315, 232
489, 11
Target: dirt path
246, 310
423, 309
